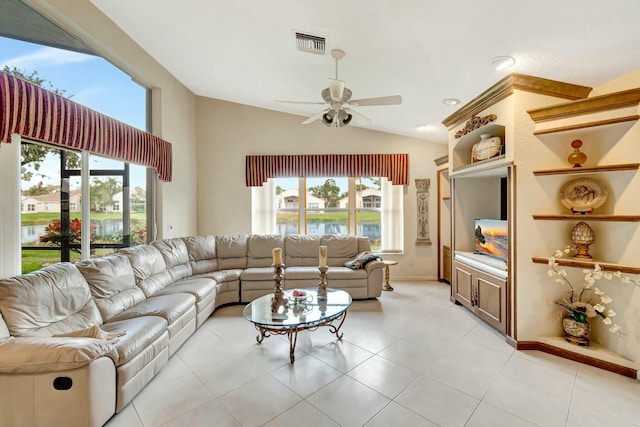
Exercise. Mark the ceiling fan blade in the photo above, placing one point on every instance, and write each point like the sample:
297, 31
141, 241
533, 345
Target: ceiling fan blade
383, 100
315, 117
358, 118
300, 102
336, 88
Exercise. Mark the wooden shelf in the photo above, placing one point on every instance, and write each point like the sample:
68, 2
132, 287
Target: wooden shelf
593, 169
591, 217
589, 264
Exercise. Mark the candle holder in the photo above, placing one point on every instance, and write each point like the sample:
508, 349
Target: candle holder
322, 286
279, 299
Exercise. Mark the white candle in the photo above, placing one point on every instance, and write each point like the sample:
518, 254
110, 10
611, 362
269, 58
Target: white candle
323, 256
277, 256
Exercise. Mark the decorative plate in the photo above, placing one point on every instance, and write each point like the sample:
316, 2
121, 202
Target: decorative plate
297, 295
583, 195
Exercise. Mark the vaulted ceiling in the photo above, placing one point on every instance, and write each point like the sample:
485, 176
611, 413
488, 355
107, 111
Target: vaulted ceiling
424, 50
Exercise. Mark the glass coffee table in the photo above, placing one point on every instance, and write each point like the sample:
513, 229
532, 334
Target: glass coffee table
307, 312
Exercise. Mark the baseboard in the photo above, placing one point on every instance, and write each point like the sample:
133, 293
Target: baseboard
411, 278
575, 356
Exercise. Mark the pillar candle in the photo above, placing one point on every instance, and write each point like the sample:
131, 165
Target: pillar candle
277, 256
323, 256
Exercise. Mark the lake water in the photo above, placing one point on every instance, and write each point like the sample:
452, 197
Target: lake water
107, 227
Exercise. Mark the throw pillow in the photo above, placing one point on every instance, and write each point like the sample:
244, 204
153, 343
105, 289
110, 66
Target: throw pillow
362, 259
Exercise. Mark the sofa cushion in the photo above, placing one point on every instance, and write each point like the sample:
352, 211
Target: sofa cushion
260, 249
140, 332
364, 244
345, 273
175, 254
301, 273
232, 251
257, 273
361, 260
112, 283
202, 253
54, 299
4, 331
340, 248
169, 307
199, 287
149, 268
302, 249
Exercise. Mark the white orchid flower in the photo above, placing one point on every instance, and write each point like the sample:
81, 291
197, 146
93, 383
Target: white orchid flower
617, 274
607, 321
608, 276
558, 253
596, 268
614, 328
605, 299
626, 279
597, 291
611, 313
559, 280
552, 260
599, 308
551, 273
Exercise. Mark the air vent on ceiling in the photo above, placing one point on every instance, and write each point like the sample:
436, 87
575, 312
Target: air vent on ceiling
311, 44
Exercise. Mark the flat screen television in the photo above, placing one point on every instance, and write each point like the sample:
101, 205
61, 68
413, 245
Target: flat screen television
491, 238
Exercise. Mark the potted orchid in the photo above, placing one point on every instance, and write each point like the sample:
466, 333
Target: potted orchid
585, 301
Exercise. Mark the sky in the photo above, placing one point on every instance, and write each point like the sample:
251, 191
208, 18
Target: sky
86, 79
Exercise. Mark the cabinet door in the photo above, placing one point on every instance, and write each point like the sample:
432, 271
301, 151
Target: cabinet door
462, 284
491, 300
446, 263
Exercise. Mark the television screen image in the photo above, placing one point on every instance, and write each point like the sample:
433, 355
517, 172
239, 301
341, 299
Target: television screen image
491, 238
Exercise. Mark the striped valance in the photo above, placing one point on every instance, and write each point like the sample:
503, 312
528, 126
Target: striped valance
394, 167
36, 113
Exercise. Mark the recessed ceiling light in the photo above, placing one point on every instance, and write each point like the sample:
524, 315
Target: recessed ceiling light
451, 101
502, 62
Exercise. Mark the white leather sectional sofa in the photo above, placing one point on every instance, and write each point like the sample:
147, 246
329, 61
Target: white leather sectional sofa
157, 295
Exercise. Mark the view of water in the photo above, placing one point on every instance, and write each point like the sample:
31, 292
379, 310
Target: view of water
372, 231
107, 227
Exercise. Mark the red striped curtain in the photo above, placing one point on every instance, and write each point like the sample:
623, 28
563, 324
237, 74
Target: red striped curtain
395, 167
36, 113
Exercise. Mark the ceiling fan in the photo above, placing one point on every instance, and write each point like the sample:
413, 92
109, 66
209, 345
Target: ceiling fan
338, 97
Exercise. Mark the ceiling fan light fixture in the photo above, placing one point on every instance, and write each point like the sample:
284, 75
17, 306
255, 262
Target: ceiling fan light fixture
328, 118
344, 118
502, 62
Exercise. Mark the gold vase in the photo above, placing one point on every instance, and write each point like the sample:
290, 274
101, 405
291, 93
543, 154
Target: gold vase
576, 332
577, 158
582, 236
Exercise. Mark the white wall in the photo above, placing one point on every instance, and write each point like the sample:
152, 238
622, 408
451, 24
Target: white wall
228, 132
173, 110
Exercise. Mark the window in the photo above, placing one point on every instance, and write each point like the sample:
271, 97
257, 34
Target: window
331, 205
57, 183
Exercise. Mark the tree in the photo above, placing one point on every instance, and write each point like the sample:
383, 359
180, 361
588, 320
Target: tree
101, 193
279, 190
329, 191
34, 154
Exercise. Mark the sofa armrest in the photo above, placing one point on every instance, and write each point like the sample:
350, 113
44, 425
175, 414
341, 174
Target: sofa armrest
373, 265
30, 355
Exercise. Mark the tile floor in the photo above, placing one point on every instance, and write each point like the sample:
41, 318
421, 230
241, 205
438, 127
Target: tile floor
408, 358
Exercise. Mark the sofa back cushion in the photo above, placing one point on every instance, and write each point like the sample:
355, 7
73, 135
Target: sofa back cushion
232, 251
112, 283
202, 253
364, 244
260, 249
53, 300
340, 248
175, 254
149, 268
302, 250
4, 331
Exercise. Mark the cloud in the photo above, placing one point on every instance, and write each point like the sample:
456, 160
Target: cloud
46, 56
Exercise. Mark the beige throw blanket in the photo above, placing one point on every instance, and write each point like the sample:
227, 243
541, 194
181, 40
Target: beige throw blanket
94, 332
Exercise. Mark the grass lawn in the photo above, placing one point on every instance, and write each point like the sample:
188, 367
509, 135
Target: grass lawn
44, 218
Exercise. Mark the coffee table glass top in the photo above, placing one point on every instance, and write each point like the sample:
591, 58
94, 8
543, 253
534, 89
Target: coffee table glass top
298, 312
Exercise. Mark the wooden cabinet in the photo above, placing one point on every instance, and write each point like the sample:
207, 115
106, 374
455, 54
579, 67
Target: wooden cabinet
482, 293
446, 264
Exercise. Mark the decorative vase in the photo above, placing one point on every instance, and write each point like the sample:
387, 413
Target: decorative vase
582, 236
577, 158
576, 332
